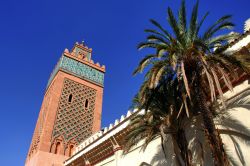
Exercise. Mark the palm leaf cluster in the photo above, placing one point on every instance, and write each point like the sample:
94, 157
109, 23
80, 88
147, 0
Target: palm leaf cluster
158, 118
186, 49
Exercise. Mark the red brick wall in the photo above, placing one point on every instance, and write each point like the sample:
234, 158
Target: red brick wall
40, 155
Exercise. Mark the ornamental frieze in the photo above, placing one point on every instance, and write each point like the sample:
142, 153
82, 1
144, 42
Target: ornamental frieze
78, 69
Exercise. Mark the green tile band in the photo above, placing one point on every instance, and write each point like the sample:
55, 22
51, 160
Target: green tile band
78, 69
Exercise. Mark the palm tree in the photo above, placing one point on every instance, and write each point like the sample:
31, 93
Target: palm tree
197, 68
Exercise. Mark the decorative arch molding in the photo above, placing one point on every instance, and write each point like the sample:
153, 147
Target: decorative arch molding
70, 147
58, 146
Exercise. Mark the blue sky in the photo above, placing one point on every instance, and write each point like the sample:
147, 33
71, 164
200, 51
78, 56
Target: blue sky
34, 33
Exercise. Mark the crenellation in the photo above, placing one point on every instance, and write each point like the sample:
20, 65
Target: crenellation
105, 130
116, 122
128, 113
135, 110
122, 118
110, 126
66, 50
100, 133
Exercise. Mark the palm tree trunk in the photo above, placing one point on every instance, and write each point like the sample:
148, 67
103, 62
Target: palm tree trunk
167, 148
183, 146
216, 146
163, 146
180, 146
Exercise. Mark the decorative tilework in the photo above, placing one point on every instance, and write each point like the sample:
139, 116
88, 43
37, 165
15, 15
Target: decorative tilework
74, 120
82, 70
79, 69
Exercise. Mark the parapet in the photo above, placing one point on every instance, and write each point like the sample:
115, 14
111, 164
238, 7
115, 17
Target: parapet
83, 54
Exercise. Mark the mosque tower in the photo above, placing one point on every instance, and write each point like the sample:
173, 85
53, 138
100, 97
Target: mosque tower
71, 108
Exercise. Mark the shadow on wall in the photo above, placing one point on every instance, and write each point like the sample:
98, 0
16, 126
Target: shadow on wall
158, 159
144, 164
234, 126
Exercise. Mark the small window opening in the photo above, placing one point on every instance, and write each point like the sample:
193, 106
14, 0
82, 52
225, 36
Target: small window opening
86, 103
57, 147
71, 150
70, 98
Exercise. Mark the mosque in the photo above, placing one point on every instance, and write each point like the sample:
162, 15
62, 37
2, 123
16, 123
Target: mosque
68, 130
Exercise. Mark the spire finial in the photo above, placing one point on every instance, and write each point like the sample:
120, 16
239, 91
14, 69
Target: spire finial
83, 42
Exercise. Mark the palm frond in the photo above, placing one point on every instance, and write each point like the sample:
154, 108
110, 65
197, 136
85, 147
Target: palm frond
225, 25
211, 30
201, 22
185, 80
143, 63
218, 86
155, 32
221, 39
182, 18
240, 135
161, 28
147, 44
174, 24
193, 22
158, 39
238, 150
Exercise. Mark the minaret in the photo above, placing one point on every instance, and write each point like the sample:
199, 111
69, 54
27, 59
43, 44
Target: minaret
71, 108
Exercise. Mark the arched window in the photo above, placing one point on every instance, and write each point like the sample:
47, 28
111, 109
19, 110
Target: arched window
71, 150
86, 103
57, 147
70, 98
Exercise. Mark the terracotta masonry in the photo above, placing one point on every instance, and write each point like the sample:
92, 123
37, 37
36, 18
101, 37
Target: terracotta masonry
71, 108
